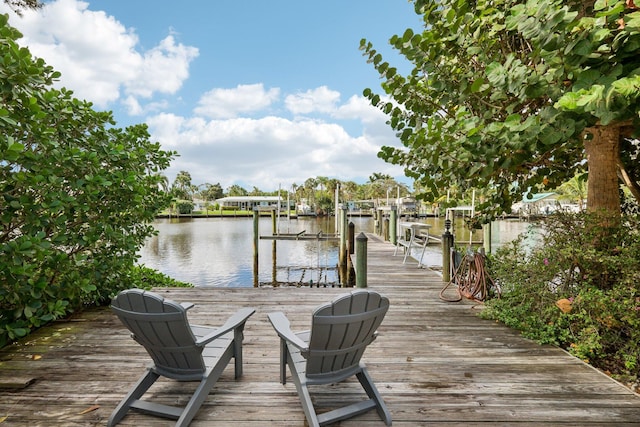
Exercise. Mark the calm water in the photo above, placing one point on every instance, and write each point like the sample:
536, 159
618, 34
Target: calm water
219, 251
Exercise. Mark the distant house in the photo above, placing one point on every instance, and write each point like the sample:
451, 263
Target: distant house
537, 204
247, 203
361, 205
406, 204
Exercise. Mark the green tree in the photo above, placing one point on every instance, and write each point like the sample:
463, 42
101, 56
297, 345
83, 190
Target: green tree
210, 192
574, 190
77, 195
381, 186
349, 190
182, 187
236, 190
512, 95
310, 185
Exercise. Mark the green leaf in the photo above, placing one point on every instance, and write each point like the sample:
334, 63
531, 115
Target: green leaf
627, 86
590, 97
477, 84
569, 101
18, 332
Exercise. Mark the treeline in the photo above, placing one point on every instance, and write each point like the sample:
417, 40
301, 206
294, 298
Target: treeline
318, 192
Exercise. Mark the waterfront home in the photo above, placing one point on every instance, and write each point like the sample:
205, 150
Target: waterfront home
247, 203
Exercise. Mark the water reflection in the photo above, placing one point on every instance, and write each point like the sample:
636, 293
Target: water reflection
219, 251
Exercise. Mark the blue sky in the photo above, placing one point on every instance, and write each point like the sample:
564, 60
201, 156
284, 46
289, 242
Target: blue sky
256, 93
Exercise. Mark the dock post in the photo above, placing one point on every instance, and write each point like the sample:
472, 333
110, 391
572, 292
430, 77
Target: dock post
351, 273
342, 256
486, 238
447, 244
351, 236
361, 261
378, 222
393, 225
275, 218
256, 242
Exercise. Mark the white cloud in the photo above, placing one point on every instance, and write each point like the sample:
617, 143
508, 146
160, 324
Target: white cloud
164, 68
359, 108
267, 152
319, 100
134, 108
99, 57
229, 103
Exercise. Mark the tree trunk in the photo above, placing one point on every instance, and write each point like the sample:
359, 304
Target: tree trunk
603, 194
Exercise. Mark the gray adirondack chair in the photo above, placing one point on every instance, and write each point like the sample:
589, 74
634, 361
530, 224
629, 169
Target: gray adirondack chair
331, 352
179, 351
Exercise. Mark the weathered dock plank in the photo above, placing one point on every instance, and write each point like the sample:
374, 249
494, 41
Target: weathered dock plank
435, 363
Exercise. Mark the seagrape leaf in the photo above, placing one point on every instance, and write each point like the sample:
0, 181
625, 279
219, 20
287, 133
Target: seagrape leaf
568, 101
627, 86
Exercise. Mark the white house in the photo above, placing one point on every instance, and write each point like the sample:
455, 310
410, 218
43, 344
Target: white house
247, 203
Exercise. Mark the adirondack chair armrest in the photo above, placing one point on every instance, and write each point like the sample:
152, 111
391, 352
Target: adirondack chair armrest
283, 328
187, 305
236, 320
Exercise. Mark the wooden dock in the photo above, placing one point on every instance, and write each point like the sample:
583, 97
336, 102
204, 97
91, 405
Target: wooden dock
435, 363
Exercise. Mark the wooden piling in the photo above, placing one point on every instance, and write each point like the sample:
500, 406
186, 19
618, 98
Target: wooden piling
361, 261
256, 243
343, 254
393, 225
486, 238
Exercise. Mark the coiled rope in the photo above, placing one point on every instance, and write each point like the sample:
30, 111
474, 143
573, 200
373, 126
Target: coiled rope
471, 277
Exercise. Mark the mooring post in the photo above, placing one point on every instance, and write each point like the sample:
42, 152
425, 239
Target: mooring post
393, 225
275, 218
361, 261
378, 222
274, 222
486, 238
447, 244
351, 236
342, 256
351, 272
256, 242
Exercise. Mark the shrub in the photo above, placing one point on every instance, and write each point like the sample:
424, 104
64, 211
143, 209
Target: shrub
77, 195
185, 207
147, 278
579, 289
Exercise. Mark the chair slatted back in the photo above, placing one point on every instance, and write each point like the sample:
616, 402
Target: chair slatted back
162, 328
341, 331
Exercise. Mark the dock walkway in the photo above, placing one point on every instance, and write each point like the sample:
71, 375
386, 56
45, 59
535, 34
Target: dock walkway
435, 363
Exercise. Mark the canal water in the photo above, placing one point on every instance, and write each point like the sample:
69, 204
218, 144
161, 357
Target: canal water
219, 251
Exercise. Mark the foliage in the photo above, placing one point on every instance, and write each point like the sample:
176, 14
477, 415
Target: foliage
185, 207
503, 93
324, 204
598, 287
148, 278
18, 5
210, 192
182, 187
77, 195
236, 190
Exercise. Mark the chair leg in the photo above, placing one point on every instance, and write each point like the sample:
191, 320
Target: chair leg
284, 352
136, 393
305, 400
369, 387
197, 399
237, 352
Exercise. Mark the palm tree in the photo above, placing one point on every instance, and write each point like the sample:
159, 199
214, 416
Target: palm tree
574, 190
182, 186
310, 186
